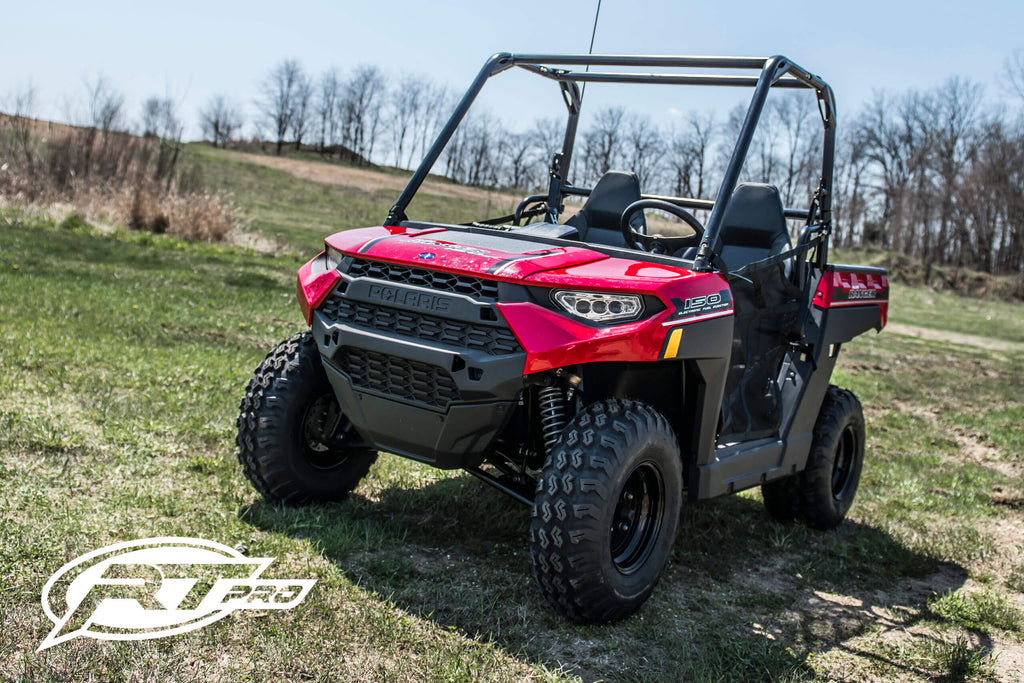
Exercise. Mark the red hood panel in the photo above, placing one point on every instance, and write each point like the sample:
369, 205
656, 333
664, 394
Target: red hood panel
615, 274
499, 257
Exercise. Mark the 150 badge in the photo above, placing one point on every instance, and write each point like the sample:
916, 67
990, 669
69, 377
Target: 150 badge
705, 304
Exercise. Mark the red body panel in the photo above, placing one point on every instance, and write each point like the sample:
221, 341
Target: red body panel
429, 249
351, 240
618, 275
311, 290
550, 338
839, 289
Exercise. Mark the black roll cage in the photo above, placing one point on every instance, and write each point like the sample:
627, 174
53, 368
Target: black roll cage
775, 72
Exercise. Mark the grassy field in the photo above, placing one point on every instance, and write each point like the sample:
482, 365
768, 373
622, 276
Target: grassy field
122, 359
292, 213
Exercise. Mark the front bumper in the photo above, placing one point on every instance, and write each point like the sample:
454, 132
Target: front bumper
430, 371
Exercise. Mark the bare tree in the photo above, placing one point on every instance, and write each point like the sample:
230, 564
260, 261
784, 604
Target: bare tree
762, 161
104, 114
161, 121
472, 153
106, 105
1013, 71
680, 161
895, 145
406, 105
956, 107
987, 204
603, 141
22, 102
434, 113
278, 94
546, 137
689, 154
160, 118
328, 96
919, 147
150, 116
515, 151
703, 129
21, 105
644, 147
795, 116
302, 109
220, 119
481, 150
849, 200
364, 97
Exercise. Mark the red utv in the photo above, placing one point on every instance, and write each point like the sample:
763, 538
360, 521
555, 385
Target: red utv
585, 367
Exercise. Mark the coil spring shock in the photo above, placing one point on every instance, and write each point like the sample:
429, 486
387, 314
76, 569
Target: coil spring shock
552, 416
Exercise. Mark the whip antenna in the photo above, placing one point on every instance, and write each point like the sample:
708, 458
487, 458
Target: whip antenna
591, 50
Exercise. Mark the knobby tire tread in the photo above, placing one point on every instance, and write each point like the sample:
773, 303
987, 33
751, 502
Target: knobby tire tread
263, 434
570, 496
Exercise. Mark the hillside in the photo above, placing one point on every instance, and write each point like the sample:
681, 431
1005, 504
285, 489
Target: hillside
294, 203
125, 355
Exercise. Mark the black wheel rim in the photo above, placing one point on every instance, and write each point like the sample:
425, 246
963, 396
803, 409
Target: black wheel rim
845, 462
637, 519
325, 431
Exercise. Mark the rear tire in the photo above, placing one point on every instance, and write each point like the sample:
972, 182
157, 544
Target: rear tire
829, 484
606, 511
822, 494
294, 444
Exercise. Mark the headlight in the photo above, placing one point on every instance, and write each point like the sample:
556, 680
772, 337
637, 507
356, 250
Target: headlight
333, 256
599, 307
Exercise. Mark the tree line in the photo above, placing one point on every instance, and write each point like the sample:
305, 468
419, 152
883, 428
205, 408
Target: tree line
937, 174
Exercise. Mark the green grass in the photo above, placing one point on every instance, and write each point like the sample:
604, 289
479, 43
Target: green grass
122, 359
980, 611
297, 214
989, 317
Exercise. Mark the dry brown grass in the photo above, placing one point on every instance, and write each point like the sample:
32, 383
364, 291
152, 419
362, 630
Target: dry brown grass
194, 215
109, 176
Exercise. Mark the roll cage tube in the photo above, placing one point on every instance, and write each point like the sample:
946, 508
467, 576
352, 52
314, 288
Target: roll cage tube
496, 64
775, 72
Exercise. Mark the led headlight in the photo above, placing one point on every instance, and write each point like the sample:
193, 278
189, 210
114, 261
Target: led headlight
599, 307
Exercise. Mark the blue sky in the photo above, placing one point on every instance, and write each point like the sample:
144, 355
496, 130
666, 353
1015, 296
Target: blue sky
195, 49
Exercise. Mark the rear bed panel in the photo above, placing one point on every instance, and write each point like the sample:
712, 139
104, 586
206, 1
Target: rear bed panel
843, 286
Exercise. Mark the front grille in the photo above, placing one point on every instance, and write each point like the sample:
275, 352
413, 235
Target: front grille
495, 341
399, 377
481, 290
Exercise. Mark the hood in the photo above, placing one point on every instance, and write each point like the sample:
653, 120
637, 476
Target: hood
498, 256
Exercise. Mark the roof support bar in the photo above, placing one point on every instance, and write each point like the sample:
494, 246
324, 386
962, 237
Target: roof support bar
775, 72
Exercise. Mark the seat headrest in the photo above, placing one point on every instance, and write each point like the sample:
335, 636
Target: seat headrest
614, 191
754, 217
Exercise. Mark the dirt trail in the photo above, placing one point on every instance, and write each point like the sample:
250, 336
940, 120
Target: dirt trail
368, 180
955, 337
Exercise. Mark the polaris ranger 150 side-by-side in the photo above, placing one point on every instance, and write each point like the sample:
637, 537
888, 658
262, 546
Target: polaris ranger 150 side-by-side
585, 366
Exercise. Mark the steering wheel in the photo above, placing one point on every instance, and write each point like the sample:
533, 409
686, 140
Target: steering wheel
659, 244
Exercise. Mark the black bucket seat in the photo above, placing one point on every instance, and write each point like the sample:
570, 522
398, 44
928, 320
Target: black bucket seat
598, 221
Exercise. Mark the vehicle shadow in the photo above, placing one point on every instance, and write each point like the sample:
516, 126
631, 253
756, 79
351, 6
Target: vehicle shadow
744, 597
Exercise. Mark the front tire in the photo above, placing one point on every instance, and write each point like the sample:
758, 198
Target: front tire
295, 445
606, 511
